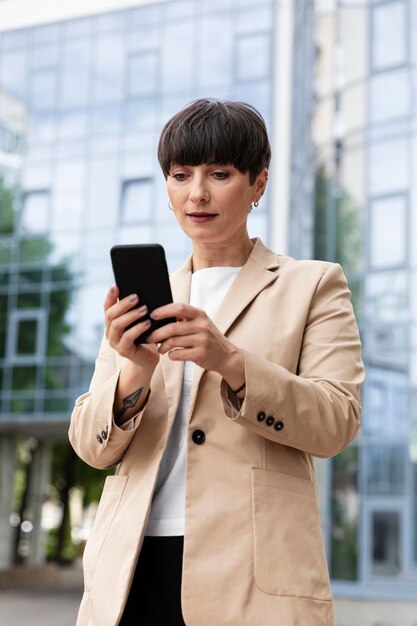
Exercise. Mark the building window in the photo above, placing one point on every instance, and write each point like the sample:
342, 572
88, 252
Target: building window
253, 55
386, 541
136, 204
385, 469
35, 211
389, 35
143, 73
388, 167
388, 215
26, 336
43, 90
383, 105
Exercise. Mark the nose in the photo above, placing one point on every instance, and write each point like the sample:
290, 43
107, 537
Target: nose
198, 191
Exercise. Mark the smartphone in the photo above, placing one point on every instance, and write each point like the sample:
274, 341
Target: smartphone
142, 269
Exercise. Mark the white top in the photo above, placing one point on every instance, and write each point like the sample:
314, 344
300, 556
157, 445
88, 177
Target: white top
208, 288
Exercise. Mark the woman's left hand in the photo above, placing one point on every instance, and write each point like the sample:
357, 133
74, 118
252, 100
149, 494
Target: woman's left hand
195, 338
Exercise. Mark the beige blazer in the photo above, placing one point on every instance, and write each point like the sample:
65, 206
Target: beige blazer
253, 552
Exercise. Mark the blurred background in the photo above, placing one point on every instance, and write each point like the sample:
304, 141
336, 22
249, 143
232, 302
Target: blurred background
85, 88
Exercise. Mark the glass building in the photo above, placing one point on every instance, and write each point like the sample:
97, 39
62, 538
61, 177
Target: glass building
365, 217
98, 90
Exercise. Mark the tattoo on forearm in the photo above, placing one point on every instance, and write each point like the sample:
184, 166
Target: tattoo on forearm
129, 402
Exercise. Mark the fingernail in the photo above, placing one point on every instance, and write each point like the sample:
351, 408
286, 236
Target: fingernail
147, 323
112, 290
133, 297
154, 315
142, 309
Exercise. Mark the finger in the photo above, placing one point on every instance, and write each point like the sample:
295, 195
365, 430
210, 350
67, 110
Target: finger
129, 336
121, 307
118, 326
178, 342
171, 330
111, 297
180, 310
185, 354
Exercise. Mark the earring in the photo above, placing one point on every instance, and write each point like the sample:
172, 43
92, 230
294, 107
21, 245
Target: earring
256, 204
170, 206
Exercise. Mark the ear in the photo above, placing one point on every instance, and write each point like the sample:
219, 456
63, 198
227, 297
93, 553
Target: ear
260, 185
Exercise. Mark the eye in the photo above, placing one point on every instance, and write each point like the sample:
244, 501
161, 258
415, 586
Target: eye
179, 176
221, 175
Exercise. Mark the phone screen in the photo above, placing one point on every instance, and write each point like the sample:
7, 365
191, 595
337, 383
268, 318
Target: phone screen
142, 269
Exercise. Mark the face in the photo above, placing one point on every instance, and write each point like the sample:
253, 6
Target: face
212, 202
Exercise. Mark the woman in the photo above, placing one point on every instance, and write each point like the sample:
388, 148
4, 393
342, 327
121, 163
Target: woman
212, 517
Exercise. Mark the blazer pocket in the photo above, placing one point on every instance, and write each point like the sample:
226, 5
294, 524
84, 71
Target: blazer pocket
111, 496
289, 558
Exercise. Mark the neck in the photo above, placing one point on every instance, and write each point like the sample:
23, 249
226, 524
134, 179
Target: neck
221, 256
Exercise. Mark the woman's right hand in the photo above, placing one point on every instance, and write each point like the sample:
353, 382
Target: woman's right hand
119, 314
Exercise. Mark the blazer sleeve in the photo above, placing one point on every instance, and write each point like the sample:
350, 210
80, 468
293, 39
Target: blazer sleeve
318, 409
93, 433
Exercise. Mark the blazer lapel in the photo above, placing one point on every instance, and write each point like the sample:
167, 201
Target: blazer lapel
259, 271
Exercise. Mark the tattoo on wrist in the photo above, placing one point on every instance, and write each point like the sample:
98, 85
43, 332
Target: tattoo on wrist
129, 402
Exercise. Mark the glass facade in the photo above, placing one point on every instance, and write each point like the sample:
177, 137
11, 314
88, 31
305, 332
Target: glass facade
98, 91
365, 219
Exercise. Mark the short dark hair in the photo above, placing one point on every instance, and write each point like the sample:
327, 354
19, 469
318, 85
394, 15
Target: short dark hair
216, 131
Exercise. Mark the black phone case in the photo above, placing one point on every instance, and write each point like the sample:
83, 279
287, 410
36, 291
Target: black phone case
142, 269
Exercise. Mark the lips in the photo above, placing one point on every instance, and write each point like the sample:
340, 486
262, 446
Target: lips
200, 217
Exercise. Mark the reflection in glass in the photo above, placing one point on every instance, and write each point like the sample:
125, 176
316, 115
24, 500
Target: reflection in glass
137, 200
24, 378
45, 55
385, 469
43, 89
389, 36
5, 250
178, 54
13, 72
388, 218
383, 86
414, 513
108, 75
345, 515
216, 61
72, 124
74, 73
105, 119
386, 316
68, 195
388, 167
385, 543
33, 250
104, 191
386, 408
144, 38
27, 337
35, 212
253, 57
255, 19
143, 73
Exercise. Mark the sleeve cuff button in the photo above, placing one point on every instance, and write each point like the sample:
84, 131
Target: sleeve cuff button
279, 425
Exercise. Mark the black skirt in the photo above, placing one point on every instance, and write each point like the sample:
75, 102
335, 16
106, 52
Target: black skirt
155, 595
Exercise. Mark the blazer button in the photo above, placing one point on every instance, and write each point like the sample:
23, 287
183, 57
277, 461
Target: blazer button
279, 425
269, 420
198, 437
99, 439
104, 434
261, 416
